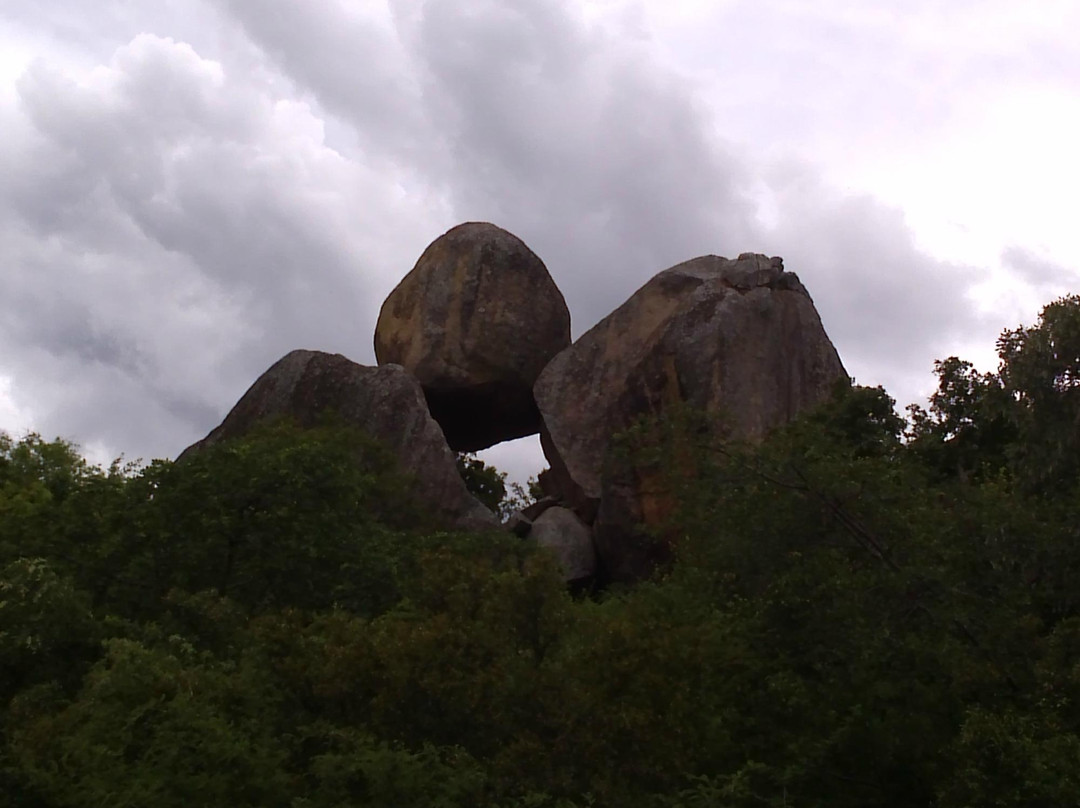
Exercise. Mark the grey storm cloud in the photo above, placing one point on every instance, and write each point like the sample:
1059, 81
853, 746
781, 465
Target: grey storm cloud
1038, 271
574, 141
182, 215
155, 193
885, 303
355, 65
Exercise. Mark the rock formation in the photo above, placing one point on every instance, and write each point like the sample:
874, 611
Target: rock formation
385, 402
476, 320
473, 349
738, 339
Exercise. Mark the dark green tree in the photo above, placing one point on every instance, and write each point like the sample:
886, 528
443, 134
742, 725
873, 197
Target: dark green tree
970, 426
484, 482
488, 484
1040, 372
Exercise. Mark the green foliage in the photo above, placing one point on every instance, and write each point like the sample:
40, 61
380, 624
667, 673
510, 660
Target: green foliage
1023, 420
489, 485
356, 769
969, 428
854, 615
54, 466
484, 482
46, 628
270, 521
1040, 370
155, 726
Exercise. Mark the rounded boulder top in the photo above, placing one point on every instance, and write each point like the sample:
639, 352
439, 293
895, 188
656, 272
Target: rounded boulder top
475, 321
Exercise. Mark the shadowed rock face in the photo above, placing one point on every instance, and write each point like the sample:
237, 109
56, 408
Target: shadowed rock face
476, 320
385, 402
738, 339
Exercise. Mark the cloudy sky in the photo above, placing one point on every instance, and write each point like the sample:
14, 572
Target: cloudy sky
191, 188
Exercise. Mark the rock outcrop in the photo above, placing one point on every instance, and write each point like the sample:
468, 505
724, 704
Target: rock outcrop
738, 339
385, 402
473, 349
476, 320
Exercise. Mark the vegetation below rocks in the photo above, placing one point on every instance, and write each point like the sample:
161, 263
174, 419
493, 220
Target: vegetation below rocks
859, 613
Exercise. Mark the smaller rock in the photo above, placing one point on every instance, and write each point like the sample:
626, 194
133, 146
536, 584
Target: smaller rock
569, 538
519, 524
533, 510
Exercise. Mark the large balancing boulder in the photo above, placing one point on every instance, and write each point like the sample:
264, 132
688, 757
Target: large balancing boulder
476, 320
739, 340
384, 402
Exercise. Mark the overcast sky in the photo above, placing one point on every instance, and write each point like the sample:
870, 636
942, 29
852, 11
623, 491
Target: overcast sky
189, 189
